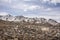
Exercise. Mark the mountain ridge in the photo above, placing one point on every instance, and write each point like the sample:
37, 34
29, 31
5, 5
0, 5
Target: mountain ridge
27, 19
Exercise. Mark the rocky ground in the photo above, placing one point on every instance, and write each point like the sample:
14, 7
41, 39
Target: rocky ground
25, 31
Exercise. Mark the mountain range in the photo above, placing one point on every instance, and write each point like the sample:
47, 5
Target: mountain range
27, 19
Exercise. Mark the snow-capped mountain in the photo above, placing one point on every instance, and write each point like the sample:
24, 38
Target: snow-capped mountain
26, 19
53, 22
7, 17
19, 18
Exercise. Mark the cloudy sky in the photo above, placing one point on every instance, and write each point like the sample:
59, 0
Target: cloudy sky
31, 8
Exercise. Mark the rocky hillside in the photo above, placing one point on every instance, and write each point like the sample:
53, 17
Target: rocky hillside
24, 28
29, 30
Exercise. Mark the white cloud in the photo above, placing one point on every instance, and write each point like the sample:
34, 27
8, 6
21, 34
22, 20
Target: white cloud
27, 0
6, 1
31, 7
51, 1
25, 7
45, 0
3, 13
48, 9
55, 1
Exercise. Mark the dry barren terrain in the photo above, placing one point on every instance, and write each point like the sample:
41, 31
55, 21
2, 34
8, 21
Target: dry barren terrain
28, 31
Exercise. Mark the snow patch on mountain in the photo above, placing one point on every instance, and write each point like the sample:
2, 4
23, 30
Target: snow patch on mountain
27, 19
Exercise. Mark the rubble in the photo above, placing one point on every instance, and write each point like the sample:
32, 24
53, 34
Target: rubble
29, 33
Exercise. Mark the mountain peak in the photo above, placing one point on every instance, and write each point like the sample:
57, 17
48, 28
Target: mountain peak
8, 15
27, 19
